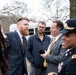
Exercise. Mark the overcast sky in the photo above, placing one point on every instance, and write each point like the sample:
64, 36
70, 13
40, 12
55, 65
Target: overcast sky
33, 4
4, 2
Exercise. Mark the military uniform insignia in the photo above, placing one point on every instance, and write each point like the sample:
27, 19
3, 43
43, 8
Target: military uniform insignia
60, 67
70, 52
66, 27
73, 56
66, 54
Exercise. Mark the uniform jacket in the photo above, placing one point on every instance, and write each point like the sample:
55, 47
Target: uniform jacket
16, 55
55, 56
69, 63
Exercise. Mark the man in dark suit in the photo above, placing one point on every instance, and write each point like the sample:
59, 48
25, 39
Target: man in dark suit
16, 53
56, 52
68, 63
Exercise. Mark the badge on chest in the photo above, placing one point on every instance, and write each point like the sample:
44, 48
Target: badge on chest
60, 66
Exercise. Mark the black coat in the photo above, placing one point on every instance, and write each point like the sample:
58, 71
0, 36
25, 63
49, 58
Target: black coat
69, 63
34, 45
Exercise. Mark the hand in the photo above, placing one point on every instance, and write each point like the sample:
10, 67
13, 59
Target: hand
52, 73
44, 55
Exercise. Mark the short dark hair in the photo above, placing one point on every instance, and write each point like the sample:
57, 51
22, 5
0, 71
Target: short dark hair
59, 24
22, 18
42, 22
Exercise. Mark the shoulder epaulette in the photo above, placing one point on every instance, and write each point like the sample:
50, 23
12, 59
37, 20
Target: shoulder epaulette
73, 56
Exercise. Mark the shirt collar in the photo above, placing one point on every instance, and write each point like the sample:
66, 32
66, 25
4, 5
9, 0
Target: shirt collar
69, 49
57, 37
20, 35
38, 36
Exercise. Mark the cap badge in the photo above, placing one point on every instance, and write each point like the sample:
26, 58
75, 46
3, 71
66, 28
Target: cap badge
66, 27
73, 56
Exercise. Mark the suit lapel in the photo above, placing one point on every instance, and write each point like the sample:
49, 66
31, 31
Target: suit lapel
56, 43
19, 41
59, 39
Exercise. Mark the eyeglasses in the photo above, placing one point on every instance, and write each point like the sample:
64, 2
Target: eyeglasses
41, 27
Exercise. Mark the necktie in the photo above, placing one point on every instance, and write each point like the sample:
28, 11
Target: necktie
48, 51
24, 44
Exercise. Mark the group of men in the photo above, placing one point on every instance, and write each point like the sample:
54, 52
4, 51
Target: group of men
62, 51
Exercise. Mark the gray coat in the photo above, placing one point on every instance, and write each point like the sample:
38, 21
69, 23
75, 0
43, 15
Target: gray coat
55, 56
16, 55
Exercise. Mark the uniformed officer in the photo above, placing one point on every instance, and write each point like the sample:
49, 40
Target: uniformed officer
68, 63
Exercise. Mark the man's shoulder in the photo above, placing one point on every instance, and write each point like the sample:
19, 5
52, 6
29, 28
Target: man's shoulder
10, 34
32, 37
48, 37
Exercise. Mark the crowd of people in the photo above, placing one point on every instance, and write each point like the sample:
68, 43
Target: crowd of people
57, 53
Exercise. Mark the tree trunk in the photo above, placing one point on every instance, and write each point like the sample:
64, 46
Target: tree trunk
72, 8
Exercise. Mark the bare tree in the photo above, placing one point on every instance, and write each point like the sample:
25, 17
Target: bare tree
57, 9
14, 10
10, 13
